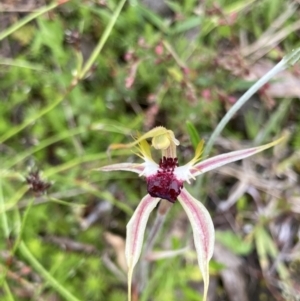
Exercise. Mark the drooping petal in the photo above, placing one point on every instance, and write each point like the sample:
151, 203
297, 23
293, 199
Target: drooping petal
135, 234
147, 168
134, 167
203, 231
223, 159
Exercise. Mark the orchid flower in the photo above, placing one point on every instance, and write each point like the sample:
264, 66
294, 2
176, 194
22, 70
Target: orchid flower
165, 181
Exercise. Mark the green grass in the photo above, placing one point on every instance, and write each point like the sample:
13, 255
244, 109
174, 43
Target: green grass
64, 100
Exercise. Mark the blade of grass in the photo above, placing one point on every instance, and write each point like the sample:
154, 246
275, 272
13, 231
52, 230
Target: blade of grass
78, 161
211, 22
287, 61
193, 133
8, 296
106, 195
29, 18
24, 219
75, 80
53, 269
153, 18
64, 135
22, 64
102, 41
14, 199
16, 129
25, 252
55, 170
64, 203
51, 198
4, 221
6, 232
273, 122
267, 249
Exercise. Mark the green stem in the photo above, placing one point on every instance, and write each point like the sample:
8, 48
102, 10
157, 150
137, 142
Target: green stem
102, 41
287, 61
63, 135
8, 292
75, 81
273, 122
143, 268
31, 120
3, 214
29, 18
43, 272
18, 240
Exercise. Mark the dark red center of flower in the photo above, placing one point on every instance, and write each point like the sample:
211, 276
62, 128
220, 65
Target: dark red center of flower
164, 184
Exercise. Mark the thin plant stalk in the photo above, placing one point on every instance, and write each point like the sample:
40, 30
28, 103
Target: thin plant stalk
102, 41
43, 144
155, 230
75, 80
3, 216
8, 295
273, 121
287, 61
25, 252
143, 272
5, 229
29, 18
16, 129
23, 223
162, 211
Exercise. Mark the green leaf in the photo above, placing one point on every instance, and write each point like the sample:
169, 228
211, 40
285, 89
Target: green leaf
234, 242
193, 133
175, 7
186, 25
267, 249
154, 19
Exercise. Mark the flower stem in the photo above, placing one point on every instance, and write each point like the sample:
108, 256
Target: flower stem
129, 283
91, 60
29, 18
44, 273
163, 209
143, 271
3, 216
286, 62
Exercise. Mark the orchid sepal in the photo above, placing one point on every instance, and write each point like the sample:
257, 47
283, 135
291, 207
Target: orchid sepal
220, 160
203, 232
135, 230
133, 167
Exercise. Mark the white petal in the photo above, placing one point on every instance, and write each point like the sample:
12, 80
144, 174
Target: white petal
136, 228
223, 159
135, 233
150, 168
147, 168
183, 173
203, 231
134, 167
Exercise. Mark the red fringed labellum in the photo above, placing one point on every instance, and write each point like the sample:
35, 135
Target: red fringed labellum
164, 183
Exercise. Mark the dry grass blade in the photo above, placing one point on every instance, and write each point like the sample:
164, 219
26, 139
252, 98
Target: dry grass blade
269, 34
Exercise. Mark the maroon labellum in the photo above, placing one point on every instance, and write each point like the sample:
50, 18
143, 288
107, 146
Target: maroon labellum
164, 184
